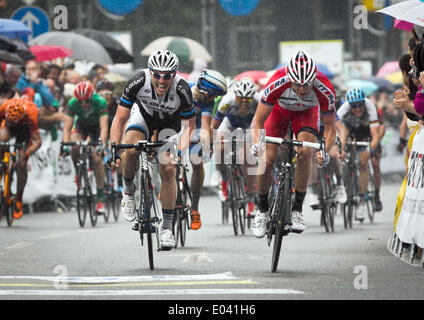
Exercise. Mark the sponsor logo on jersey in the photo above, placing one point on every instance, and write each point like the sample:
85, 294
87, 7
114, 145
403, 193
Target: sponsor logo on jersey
134, 83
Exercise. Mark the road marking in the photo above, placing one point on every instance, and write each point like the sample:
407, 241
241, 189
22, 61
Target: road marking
20, 245
178, 292
53, 236
179, 283
124, 279
202, 257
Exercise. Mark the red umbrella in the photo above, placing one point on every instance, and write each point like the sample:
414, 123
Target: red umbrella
255, 75
49, 52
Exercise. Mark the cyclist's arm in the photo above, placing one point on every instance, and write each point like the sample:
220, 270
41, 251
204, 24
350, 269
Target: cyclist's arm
35, 144
374, 137
117, 128
258, 122
329, 129
104, 128
67, 126
187, 126
343, 134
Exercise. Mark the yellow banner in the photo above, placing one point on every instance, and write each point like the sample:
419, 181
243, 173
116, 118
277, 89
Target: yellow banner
373, 5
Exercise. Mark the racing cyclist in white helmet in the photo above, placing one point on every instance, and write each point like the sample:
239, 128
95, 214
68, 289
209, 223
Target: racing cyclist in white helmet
154, 99
236, 110
298, 93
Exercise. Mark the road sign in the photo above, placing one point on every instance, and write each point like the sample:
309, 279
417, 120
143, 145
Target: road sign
35, 18
120, 7
238, 7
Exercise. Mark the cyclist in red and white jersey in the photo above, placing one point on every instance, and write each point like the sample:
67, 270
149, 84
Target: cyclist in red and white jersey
301, 94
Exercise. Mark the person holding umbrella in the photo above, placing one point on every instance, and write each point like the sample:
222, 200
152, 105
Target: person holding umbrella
154, 99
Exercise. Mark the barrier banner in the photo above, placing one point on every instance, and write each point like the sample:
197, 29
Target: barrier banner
48, 176
410, 225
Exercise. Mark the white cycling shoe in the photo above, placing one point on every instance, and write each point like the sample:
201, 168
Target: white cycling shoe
341, 194
259, 224
298, 226
167, 240
128, 206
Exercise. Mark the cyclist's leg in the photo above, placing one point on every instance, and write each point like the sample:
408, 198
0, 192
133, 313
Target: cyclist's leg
336, 166
76, 136
220, 152
136, 129
375, 161
362, 183
305, 127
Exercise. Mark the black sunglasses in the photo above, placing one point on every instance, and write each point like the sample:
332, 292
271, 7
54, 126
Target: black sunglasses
356, 105
166, 76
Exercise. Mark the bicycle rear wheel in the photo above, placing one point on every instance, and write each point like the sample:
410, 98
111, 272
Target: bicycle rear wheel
91, 199
281, 211
326, 211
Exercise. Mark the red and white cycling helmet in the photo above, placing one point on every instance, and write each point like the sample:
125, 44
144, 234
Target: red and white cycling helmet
83, 90
301, 69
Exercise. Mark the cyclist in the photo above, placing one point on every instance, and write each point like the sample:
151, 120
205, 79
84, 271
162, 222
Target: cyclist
298, 93
359, 119
19, 118
155, 98
86, 119
236, 110
335, 165
210, 85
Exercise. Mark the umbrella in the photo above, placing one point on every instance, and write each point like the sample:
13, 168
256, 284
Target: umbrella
22, 50
410, 11
115, 77
255, 75
7, 44
82, 47
403, 25
382, 83
115, 49
395, 77
49, 52
387, 68
367, 86
13, 28
9, 57
181, 46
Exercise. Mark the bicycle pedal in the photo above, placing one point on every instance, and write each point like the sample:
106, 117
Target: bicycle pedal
135, 227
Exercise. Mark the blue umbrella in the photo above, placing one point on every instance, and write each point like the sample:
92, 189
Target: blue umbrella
321, 67
367, 86
383, 84
13, 28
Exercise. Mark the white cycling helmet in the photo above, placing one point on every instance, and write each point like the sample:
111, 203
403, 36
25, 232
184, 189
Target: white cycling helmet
301, 69
245, 88
212, 82
163, 60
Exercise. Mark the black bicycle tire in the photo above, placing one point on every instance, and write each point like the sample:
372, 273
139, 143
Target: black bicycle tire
283, 209
241, 201
81, 200
10, 207
232, 196
146, 205
325, 208
91, 201
116, 205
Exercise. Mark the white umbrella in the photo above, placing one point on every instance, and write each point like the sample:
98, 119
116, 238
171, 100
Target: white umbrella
411, 11
83, 48
181, 46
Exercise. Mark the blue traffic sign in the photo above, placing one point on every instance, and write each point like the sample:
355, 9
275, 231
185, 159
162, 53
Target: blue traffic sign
35, 18
238, 7
120, 7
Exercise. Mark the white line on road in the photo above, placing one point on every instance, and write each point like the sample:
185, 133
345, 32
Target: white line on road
123, 279
20, 245
53, 236
181, 292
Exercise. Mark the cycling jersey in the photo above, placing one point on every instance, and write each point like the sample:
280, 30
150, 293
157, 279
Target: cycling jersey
228, 108
87, 117
178, 101
279, 92
359, 127
24, 129
287, 106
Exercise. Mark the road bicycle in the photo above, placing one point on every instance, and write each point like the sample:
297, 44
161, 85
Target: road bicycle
84, 180
326, 194
182, 206
350, 178
112, 195
279, 224
8, 173
148, 215
236, 193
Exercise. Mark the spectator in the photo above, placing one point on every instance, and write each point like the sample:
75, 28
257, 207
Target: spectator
54, 72
72, 77
419, 64
13, 73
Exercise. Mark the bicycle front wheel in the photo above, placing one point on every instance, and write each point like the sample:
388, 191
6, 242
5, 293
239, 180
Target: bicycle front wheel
82, 200
282, 209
